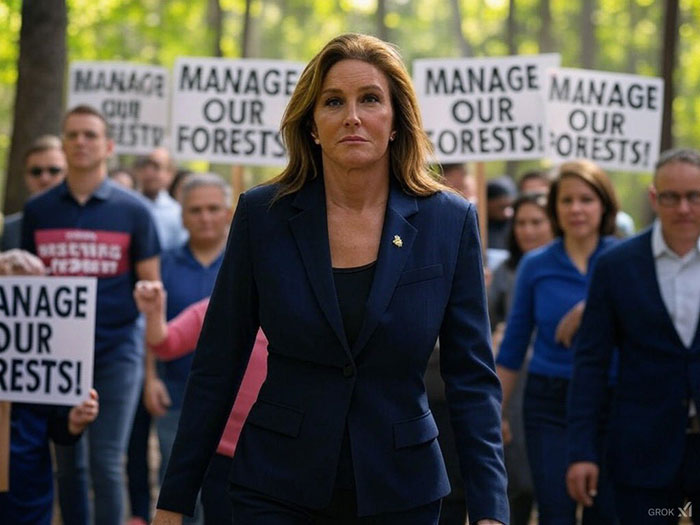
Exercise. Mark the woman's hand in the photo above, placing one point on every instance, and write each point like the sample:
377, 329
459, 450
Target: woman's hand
155, 396
505, 430
568, 326
150, 297
80, 416
167, 517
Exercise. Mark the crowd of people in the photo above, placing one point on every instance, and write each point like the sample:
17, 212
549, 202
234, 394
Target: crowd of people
305, 400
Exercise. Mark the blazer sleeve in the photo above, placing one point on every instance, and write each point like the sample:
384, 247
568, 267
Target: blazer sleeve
593, 351
220, 361
471, 385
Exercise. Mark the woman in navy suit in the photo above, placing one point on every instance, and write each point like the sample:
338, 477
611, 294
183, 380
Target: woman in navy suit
353, 261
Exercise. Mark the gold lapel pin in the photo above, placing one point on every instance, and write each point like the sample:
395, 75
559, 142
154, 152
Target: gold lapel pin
397, 241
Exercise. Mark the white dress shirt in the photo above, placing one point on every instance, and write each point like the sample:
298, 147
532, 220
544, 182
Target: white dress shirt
679, 282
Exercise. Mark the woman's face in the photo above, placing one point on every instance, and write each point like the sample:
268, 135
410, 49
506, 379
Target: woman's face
353, 116
579, 209
531, 227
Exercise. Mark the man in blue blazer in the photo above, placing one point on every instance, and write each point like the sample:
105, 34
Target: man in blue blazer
644, 299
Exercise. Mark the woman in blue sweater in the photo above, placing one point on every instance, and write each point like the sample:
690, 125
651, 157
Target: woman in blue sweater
550, 289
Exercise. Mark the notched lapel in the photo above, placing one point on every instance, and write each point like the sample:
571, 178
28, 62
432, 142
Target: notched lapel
391, 260
310, 230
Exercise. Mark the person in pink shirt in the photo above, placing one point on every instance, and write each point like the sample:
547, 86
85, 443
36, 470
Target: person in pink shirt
179, 337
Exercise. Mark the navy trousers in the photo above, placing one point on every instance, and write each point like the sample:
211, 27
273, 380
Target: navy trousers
544, 408
251, 507
664, 505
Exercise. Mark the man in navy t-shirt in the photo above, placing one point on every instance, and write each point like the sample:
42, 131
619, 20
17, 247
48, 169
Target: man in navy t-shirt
89, 226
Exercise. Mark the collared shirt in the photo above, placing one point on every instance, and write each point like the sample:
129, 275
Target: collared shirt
679, 282
187, 281
103, 237
168, 216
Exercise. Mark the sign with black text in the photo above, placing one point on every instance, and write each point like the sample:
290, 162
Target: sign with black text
132, 97
229, 111
612, 119
47, 337
480, 109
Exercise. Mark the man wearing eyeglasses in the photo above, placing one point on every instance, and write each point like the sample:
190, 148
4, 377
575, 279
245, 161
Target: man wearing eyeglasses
644, 299
44, 167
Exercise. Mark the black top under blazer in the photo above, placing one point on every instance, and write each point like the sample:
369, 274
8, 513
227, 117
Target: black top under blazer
277, 275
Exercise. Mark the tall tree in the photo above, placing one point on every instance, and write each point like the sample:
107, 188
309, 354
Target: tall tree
545, 36
464, 45
39, 96
511, 166
245, 44
215, 19
382, 29
668, 62
588, 41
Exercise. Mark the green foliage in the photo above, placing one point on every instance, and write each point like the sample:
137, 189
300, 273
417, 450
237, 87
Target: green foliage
628, 38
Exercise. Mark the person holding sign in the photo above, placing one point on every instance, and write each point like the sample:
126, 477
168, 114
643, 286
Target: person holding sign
644, 300
29, 500
90, 226
550, 284
353, 262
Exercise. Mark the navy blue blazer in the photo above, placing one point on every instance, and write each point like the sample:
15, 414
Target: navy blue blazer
277, 274
657, 374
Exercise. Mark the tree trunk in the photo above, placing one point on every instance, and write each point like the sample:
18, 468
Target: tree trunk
382, 29
587, 34
545, 37
464, 46
668, 62
39, 93
215, 20
511, 166
245, 45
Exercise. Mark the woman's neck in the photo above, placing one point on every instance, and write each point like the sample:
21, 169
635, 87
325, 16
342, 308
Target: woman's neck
580, 249
356, 189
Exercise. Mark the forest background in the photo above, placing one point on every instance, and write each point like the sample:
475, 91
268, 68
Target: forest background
628, 36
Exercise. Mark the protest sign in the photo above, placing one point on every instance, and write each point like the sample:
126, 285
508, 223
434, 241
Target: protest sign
613, 119
479, 109
229, 111
47, 333
132, 97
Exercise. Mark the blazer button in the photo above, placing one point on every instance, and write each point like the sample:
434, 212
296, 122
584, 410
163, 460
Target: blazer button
348, 370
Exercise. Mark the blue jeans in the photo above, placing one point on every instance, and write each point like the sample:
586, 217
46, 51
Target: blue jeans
118, 384
544, 409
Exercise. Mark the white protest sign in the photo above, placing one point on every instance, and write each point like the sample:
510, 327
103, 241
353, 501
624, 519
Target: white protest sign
479, 109
229, 111
47, 335
613, 119
132, 97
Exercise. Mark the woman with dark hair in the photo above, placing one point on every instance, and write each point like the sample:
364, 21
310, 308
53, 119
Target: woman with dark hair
353, 262
550, 286
531, 229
